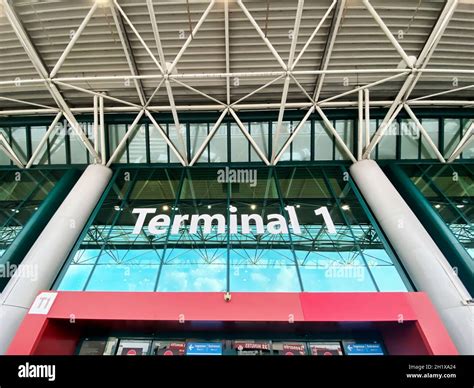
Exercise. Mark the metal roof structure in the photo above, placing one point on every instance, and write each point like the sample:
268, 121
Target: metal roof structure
147, 56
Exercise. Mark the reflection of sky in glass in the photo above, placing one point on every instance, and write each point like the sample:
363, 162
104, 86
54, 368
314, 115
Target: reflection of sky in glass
252, 270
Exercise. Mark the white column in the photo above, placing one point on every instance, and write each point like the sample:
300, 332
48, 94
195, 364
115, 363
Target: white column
48, 253
422, 259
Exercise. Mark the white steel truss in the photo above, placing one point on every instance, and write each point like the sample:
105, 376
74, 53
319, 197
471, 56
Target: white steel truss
167, 74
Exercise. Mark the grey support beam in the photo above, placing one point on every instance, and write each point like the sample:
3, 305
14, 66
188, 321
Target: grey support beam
424, 262
49, 252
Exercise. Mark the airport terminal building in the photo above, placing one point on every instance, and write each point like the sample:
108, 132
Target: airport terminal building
236, 177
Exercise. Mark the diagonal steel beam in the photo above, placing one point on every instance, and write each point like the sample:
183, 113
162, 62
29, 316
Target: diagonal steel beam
439, 93
257, 90
169, 89
51, 130
26, 102
395, 108
249, 137
336, 21
5, 146
73, 41
466, 139
368, 86
156, 33
302, 89
166, 138
281, 112
209, 137
388, 33
43, 73
130, 132
91, 92
284, 95
139, 37
419, 65
191, 37
310, 39
293, 135
424, 133
197, 91
174, 113
433, 40
338, 138
127, 49
262, 34
154, 93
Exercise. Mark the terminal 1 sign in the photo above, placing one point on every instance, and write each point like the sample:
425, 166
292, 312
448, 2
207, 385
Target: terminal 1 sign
275, 223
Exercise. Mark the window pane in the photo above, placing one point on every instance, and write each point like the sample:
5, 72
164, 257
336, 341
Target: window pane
158, 146
323, 144
198, 133
218, 145
468, 153
4, 159
387, 147
57, 148
259, 132
285, 132
432, 127
302, 142
137, 146
78, 150
345, 129
239, 144
19, 139
179, 140
452, 135
410, 139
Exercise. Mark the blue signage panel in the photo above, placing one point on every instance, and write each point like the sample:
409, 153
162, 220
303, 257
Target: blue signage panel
204, 349
363, 349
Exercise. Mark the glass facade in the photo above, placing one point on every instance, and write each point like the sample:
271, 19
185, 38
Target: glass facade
21, 192
450, 190
313, 142
296, 229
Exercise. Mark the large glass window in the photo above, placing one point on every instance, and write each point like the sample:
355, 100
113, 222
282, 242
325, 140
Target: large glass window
401, 140
21, 192
241, 229
450, 190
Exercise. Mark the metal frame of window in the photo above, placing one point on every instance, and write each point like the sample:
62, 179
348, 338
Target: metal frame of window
466, 117
273, 173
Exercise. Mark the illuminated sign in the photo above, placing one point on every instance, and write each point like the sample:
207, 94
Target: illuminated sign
204, 349
276, 223
363, 348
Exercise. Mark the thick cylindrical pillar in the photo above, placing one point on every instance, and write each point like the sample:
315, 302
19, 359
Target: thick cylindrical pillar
35, 225
447, 242
421, 257
47, 255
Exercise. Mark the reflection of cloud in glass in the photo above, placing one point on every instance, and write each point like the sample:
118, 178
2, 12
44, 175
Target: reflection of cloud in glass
188, 277
179, 278
259, 278
265, 278
285, 279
